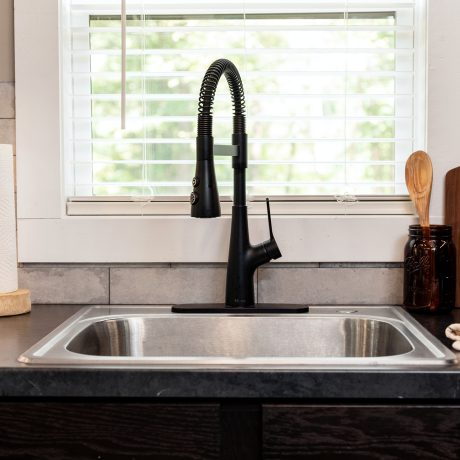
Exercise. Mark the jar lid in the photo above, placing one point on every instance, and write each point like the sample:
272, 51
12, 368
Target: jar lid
436, 231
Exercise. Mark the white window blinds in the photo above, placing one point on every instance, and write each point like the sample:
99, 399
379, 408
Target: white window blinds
334, 90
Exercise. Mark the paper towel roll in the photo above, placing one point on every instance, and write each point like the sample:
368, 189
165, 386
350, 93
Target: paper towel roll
8, 253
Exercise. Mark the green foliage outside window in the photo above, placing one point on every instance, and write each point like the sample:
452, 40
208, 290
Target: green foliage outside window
306, 135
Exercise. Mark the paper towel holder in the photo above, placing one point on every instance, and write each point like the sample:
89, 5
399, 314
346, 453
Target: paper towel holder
15, 303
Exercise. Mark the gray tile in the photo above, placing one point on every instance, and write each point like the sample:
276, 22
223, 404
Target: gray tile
7, 108
293, 265
335, 286
140, 265
198, 264
63, 265
167, 285
7, 131
361, 264
66, 285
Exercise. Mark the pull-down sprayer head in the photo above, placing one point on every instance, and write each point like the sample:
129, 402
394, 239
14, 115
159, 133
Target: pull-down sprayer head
205, 196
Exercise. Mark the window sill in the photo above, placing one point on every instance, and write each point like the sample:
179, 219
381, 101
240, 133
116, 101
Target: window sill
129, 206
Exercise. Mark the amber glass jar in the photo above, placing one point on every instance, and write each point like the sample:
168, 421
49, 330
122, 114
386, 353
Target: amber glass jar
429, 269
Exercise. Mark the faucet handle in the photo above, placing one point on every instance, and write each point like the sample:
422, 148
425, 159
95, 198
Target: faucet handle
267, 200
271, 246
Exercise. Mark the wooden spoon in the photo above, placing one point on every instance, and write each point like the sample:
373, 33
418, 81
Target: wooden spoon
419, 177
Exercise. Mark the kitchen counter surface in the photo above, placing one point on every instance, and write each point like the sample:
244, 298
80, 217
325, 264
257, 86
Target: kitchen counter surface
18, 333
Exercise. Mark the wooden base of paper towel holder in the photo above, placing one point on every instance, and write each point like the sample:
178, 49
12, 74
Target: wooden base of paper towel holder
15, 303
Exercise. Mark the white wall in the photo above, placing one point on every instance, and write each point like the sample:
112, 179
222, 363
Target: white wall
443, 134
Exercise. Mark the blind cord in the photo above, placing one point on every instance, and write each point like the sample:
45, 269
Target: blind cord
123, 64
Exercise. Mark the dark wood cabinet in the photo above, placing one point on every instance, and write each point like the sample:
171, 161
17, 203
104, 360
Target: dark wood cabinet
109, 431
295, 432
227, 430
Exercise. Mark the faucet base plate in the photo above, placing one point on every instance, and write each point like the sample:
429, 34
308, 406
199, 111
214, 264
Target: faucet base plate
222, 308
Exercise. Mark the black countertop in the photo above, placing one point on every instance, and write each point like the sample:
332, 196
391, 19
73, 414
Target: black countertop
18, 333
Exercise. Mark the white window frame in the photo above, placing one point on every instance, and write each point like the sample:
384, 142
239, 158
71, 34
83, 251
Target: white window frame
47, 234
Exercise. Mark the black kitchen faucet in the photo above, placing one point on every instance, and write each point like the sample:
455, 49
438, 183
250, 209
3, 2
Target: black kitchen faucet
243, 258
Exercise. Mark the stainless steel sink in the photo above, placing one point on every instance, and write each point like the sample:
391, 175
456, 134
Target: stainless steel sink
328, 337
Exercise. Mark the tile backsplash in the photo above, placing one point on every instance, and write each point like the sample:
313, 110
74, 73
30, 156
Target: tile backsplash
156, 284
7, 113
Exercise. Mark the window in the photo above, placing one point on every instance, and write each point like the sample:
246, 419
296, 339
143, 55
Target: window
47, 159
334, 90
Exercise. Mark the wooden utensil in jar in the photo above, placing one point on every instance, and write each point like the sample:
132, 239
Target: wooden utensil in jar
419, 178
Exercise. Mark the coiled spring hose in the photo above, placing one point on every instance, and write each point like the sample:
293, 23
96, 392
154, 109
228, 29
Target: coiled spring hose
208, 91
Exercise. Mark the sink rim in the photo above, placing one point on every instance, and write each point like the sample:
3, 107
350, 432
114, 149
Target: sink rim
51, 351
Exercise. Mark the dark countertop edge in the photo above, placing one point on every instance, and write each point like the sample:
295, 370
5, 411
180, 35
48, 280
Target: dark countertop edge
227, 384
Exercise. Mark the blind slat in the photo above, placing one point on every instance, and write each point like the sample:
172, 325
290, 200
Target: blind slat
243, 51
255, 162
247, 28
204, 6
254, 73
255, 140
248, 96
192, 118
226, 183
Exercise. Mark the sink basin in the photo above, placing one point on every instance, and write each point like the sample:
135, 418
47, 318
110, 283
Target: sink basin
155, 337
